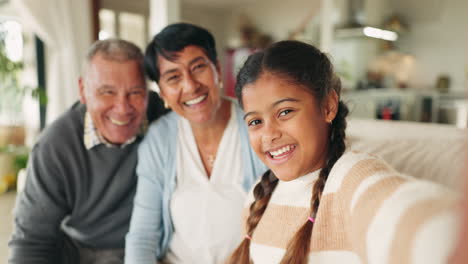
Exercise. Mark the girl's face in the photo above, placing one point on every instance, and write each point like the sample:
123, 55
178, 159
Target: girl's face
288, 128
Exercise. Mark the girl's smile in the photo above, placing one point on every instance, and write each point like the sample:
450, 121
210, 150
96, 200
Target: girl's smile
288, 129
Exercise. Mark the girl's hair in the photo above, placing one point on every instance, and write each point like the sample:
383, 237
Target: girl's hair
306, 66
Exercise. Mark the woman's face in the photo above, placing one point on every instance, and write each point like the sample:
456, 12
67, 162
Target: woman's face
288, 128
189, 84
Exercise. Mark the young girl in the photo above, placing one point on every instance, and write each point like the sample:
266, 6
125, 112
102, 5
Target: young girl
318, 203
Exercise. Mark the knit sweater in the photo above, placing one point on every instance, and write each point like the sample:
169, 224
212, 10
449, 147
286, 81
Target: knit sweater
368, 213
85, 194
151, 226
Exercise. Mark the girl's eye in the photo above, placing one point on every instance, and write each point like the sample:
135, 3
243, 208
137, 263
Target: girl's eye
254, 122
285, 112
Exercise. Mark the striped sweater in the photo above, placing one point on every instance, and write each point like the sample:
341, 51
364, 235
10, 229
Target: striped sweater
369, 213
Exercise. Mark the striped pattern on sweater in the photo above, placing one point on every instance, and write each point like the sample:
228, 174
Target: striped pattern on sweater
369, 213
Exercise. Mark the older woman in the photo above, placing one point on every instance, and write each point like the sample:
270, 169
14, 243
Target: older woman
195, 164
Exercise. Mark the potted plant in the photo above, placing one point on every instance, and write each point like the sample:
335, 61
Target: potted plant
12, 94
13, 153
12, 160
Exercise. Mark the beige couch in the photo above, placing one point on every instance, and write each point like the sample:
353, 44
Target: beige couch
429, 151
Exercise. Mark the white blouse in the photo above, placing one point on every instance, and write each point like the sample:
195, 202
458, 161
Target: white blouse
206, 212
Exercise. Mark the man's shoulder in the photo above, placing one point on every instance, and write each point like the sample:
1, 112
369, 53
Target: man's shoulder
68, 127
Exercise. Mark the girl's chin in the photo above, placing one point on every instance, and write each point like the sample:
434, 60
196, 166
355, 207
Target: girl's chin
285, 175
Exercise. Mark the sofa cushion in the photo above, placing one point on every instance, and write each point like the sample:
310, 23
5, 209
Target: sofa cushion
433, 152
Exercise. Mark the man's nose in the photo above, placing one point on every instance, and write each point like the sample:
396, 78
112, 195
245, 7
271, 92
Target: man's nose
122, 104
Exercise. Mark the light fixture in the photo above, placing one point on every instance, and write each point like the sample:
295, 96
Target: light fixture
371, 32
380, 33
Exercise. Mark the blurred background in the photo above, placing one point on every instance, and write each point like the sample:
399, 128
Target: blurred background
398, 59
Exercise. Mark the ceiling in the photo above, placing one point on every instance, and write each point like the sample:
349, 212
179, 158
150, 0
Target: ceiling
218, 3
144, 4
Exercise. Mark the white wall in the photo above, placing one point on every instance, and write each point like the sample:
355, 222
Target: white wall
438, 39
213, 19
275, 17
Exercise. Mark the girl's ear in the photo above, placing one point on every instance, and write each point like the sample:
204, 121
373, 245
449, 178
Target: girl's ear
330, 106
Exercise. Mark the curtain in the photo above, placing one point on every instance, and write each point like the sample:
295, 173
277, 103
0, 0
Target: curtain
65, 28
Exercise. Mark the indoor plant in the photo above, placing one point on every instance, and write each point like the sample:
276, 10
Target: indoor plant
13, 154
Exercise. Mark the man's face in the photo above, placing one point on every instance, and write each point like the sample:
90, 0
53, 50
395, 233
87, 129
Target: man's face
115, 95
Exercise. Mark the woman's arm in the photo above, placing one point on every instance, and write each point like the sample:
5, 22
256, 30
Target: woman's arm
143, 241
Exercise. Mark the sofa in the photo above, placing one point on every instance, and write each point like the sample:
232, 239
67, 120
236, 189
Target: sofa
434, 152
428, 151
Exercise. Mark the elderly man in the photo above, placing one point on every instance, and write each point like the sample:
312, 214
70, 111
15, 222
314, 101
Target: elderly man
77, 201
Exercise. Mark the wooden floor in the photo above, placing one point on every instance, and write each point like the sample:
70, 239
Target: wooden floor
7, 202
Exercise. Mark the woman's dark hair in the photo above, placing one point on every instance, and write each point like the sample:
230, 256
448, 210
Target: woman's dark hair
308, 67
173, 39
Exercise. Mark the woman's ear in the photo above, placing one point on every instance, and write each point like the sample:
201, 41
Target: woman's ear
330, 106
218, 70
163, 97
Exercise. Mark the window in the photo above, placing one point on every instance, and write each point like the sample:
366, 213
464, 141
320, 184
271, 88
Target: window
125, 25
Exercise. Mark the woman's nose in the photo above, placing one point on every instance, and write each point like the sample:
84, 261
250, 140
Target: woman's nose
190, 83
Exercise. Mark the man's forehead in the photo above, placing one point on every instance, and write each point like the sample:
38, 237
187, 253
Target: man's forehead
99, 65
100, 76
99, 59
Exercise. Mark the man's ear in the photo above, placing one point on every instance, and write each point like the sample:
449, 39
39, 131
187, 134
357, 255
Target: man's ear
330, 106
82, 90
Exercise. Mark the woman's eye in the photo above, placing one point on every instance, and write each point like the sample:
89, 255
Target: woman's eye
285, 112
199, 67
172, 78
254, 122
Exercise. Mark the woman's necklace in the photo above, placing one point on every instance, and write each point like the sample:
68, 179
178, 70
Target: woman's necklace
211, 159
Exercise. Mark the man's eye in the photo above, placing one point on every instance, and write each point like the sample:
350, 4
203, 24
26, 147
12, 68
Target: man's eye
137, 92
254, 122
107, 92
285, 112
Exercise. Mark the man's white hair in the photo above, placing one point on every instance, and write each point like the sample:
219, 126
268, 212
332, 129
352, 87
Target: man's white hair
113, 49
